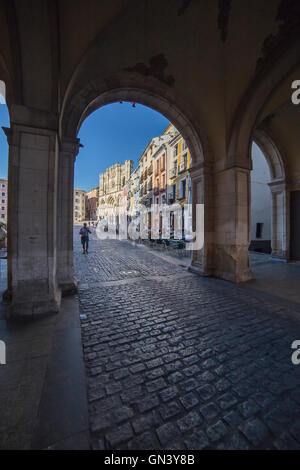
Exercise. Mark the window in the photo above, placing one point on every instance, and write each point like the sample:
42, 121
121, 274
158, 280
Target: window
174, 191
2, 216
185, 160
259, 230
3, 208
182, 190
3, 194
176, 150
3, 201
184, 146
163, 162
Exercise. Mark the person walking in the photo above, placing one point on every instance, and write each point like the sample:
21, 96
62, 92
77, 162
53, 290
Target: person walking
84, 233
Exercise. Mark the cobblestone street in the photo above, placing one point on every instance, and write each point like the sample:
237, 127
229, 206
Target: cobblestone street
176, 361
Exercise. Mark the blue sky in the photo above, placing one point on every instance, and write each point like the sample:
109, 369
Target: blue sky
4, 121
111, 134
114, 133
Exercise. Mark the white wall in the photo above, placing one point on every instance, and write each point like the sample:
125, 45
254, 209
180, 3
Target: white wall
260, 194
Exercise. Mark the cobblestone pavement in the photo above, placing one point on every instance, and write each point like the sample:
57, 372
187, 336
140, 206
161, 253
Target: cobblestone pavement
176, 361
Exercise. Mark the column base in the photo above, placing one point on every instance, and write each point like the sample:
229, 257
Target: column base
33, 308
69, 287
236, 277
198, 269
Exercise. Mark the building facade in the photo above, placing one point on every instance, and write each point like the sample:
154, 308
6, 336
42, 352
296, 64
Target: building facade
79, 205
111, 184
3, 206
91, 203
179, 166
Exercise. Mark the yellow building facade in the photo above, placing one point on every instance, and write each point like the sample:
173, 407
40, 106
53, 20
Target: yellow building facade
179, 164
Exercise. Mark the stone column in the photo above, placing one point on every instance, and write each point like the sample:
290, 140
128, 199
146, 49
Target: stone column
279, 219
65, 270
32, 203
232, 224
202, 260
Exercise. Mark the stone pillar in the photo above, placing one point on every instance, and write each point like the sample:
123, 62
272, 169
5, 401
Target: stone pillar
202, 260
279, 219
65, 270
32, 204
232, 224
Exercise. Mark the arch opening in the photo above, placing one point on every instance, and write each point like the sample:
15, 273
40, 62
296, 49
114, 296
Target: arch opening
268, 198
183, 173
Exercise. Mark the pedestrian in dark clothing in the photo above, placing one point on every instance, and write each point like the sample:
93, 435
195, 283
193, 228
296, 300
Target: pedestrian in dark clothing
84, 233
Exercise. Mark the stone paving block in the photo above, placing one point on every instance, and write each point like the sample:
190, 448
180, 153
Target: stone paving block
189, 400
170, 410
154, 373
248, 408
156, 385
197, 441
237, 442
216, 431
209, 411
206, 392
121, 414
146, 405
188, 385
175, 377
146, 421
226, 401
130, 395
189, 421
119, 435
233, 418
168, 434
254, 430
145, 441
169, 393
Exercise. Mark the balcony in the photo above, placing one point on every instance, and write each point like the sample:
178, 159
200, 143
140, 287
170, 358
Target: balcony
156, 191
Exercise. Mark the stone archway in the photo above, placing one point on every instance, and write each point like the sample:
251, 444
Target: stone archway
78, 110
278, 187
266, 82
